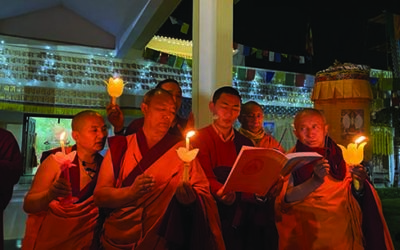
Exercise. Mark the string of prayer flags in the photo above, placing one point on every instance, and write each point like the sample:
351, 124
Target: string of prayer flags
272, 56
184, 26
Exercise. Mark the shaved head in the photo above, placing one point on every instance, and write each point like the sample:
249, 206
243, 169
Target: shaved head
80, 119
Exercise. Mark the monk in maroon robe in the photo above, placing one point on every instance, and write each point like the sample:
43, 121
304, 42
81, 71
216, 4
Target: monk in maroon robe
11, 169
319, 206
141, 183
60, 207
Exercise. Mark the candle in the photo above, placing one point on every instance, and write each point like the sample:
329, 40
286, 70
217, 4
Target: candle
354, 154
115, 87
188, 135
62, 136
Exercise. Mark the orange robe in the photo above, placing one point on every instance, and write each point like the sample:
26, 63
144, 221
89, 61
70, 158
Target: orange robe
328, 218
136, 226
65, 227
62, 227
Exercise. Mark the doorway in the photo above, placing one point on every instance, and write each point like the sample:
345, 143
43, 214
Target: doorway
42, 133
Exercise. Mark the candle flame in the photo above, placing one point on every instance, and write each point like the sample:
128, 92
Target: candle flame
360, 139
190, 133
62, 136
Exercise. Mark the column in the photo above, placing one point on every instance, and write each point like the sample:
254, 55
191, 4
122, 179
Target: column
212, 53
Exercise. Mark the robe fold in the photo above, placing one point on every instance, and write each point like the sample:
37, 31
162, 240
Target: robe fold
65, 227
138, 225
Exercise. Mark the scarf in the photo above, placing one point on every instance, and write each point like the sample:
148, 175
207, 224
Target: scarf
255, 137
332, 153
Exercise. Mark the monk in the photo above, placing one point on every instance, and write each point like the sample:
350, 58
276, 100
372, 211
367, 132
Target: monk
251, 120
61, 211
319, 207
11, 170
245, 221
141, 184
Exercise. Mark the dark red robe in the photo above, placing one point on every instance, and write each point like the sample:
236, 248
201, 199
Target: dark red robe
11, 169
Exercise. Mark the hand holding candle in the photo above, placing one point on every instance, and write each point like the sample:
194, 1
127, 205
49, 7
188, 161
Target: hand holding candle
115, 88
66, 162
354, 154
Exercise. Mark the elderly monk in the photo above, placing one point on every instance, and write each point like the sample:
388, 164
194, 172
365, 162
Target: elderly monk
54, 223
141, 184
319, 207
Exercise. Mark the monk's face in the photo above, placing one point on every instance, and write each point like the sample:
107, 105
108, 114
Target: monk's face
175, 91
225, 111
92, 134
252, 118
311, 130
159, 113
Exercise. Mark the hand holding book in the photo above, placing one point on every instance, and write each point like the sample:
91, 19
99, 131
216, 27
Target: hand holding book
257, 169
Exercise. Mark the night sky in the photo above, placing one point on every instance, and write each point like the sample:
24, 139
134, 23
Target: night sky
341, 31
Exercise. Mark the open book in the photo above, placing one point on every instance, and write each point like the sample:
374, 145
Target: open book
257, 169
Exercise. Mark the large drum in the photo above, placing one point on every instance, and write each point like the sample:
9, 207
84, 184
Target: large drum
343, 93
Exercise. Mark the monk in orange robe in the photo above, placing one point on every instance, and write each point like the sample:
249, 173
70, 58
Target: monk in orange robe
319, 206
52, 222
141, 186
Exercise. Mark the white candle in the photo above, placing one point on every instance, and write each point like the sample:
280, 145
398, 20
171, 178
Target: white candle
62, 136
188, 135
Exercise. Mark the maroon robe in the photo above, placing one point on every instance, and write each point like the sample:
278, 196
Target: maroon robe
11, 169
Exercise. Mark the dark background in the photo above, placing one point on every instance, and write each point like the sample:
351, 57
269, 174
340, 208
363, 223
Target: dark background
342, 30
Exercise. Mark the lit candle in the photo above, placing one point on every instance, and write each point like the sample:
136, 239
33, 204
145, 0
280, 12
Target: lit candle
115, 87
188, 135
354, 154
62, 136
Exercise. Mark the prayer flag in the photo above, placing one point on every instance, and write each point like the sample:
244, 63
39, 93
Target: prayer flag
271, 56
184, 28
171, 60
250, 74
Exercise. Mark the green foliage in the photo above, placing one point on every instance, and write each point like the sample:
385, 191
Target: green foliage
388, 193
47, 130
391, 208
